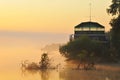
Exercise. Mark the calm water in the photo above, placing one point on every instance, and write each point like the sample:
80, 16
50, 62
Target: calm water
59, 75
16, 47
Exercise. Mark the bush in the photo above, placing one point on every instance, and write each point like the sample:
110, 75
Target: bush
44, 62
84, 49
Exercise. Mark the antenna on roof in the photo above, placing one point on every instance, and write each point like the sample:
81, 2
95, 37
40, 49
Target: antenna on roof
90, 11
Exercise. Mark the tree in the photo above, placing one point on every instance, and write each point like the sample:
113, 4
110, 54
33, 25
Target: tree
83, 49
114, 10
45, 61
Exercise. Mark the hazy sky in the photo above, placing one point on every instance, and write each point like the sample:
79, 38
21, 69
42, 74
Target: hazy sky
56, 16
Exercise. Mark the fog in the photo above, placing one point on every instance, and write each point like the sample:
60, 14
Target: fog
18, 46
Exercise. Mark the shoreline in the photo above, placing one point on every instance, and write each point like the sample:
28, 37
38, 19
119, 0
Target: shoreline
108, 66
98, 66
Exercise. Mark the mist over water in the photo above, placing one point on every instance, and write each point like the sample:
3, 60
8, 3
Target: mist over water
16, 47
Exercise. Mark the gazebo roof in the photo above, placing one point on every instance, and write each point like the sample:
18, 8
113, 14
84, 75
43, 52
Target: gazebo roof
89, 24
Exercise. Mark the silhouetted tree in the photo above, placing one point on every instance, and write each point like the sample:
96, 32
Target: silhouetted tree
84, 50
114, 10
45, 61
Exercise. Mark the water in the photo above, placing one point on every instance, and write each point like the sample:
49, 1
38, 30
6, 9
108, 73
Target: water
60, 75
16, 47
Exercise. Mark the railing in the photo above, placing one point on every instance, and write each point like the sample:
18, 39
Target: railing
90, 34
74, 36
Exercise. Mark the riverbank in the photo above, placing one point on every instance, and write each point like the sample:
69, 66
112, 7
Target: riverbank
108, 66
98, 66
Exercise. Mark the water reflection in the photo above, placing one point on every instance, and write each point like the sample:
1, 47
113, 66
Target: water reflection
41, 74
89, 75
44, 74
69, 74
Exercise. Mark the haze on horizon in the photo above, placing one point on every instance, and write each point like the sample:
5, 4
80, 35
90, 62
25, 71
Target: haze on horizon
52, 16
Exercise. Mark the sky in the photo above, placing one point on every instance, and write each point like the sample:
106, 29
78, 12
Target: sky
51, 16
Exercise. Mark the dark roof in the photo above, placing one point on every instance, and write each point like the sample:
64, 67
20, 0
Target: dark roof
89, 24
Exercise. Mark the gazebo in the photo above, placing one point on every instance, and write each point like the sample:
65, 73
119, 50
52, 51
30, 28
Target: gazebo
93, 30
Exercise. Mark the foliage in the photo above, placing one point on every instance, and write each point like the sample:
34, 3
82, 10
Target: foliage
116, 34
45, 61
29, 65
73, 49
114, 10
84, 50
32, 65
43, 64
